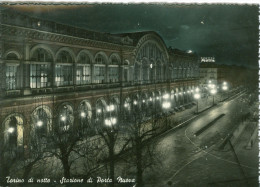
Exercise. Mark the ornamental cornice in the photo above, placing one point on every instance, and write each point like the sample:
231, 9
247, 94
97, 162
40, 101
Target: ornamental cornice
54, 37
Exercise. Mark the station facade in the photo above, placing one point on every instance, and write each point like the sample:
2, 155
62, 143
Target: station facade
50, 71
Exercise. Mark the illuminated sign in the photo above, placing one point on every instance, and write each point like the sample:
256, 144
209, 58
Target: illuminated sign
207, 59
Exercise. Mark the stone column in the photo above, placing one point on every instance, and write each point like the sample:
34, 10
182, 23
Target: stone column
26, 70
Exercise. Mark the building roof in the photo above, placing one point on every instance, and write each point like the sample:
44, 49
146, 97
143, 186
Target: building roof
136, 36
15, 18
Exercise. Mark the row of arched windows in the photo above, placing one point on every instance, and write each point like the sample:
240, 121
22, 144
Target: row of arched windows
64, 68
103, 114
89, 69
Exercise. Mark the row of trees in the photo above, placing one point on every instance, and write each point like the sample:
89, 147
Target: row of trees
83, 146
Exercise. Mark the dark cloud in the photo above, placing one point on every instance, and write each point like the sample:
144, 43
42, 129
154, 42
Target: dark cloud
228, 32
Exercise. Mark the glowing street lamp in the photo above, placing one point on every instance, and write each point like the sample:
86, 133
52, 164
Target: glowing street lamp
98, 110
224, 87
10, 130
39, 123
197, 97
213, 92
110, 121
135, 102
166, 105
63, 118
83, 114
110, 108
166, 96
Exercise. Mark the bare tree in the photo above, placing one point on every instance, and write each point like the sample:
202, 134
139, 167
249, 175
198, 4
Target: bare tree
139, 117
108, 125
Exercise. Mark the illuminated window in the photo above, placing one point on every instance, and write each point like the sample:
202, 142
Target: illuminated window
10, 77
99, 69
99, 74
113, 74
39, 76
63, 75
83, 74
64, 72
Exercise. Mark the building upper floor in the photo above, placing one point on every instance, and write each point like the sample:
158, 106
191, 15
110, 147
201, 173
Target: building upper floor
39, 56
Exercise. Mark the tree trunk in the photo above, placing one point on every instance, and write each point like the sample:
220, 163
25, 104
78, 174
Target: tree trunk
66, 167
28, 169
139, 167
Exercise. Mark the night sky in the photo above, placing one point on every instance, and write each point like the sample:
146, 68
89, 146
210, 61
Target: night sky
227, 32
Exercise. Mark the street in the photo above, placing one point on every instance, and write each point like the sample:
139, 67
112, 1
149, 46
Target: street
188, 160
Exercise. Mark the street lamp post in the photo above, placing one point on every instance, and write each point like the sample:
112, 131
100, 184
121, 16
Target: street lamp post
166, 105
197, 97
213, 92
225, 87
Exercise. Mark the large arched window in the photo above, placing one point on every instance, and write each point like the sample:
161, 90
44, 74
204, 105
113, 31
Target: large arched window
65, 118
83, 74
41, 119
13, 132
85, 115
40, 67
99, 69
113, 69
150, 51
64, 70
101, 112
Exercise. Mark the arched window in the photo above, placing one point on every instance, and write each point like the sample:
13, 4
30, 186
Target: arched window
113, 69
13, 132
83, 74
114, 60
100, 59
85, 115
41, 55
99, 69
65, 118
101, 112
64, 70
41, 119
11, 56
64, 57
40, 72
